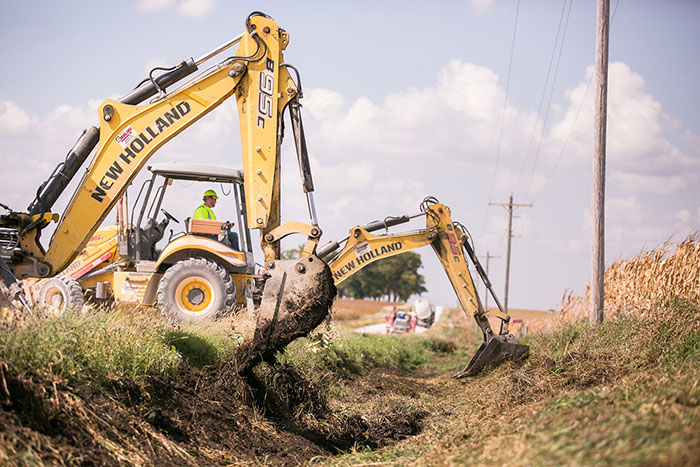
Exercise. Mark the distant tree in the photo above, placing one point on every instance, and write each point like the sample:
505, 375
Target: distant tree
293, 253
395, 279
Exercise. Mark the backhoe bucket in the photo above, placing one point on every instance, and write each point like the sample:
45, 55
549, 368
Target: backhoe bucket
494, 352
296, 299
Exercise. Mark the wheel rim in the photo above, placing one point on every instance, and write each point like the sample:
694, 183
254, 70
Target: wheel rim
55, 299
194, 295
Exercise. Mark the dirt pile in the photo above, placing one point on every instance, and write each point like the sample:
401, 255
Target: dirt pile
188, 422
275, 416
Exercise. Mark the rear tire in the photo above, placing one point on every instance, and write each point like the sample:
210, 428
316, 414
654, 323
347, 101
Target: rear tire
195, 289
61, 293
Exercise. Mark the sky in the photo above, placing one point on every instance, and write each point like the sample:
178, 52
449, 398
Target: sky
467, 101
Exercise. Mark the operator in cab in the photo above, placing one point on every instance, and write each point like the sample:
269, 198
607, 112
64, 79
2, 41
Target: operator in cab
205, 211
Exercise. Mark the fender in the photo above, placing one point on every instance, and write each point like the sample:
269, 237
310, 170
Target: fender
190, 244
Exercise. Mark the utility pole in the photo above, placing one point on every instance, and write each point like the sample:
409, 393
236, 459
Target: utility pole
510, 207
598, 188
489, 256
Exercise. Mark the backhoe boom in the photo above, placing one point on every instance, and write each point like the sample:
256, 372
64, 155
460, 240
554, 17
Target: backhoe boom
450, 243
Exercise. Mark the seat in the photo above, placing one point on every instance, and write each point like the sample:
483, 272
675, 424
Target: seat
204, 226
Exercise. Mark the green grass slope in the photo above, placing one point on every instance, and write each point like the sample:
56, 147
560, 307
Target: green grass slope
626, 392
128, 389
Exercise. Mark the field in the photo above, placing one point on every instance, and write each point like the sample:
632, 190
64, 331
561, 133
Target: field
348, 310
118, 388
352, 314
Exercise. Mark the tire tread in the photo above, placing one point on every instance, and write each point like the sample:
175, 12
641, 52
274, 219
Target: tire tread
194, 264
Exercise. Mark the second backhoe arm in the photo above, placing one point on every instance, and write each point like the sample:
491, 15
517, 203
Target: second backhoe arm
450, 242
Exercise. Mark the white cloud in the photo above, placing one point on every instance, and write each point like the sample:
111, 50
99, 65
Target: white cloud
481, 5
196, 9
455, 121
629, 221
154, 6
641, 154
656, 184
505, 180
13, 119
495, 235
683, 216
322, 103
441, 140
351, 175
31, 155
62, 127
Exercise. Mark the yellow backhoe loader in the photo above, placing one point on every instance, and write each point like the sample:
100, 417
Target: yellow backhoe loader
296, 294
450, 241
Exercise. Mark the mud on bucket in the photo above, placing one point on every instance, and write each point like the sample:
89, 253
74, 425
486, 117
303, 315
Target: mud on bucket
296, 299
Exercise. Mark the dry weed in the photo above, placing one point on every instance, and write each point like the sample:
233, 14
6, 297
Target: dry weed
640, 285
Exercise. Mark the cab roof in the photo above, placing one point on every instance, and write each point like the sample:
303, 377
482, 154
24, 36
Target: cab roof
197, 172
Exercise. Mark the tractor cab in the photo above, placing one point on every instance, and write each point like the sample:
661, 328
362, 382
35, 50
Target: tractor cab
193, 276
138, 239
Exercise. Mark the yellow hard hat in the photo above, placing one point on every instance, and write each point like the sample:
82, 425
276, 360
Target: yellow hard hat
209, 193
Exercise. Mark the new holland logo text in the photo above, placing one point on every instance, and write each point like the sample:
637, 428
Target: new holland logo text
133, 144
366, 258
267, 86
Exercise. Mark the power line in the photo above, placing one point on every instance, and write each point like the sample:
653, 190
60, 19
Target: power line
544, 93
505, 107
549, 101
578, 113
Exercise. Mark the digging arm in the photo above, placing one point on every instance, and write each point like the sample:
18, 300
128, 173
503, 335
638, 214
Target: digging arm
449, 241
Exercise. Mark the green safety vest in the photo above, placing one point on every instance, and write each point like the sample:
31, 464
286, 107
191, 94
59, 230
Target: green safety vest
204, 212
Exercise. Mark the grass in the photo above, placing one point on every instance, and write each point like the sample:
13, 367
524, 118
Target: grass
625, 392
94, 346
345, 355
206, 343
100, 346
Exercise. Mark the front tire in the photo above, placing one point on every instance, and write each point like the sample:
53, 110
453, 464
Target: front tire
195, 289
61, 293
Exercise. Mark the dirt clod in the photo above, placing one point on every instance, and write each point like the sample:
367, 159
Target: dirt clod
296, 299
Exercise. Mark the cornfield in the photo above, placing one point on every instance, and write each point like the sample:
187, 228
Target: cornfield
642, 284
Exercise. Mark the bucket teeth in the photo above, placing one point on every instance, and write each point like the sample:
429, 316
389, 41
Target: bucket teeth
296, 299
494, 352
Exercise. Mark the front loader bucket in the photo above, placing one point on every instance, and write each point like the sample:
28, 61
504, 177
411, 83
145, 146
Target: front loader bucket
494, 352
296, 299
